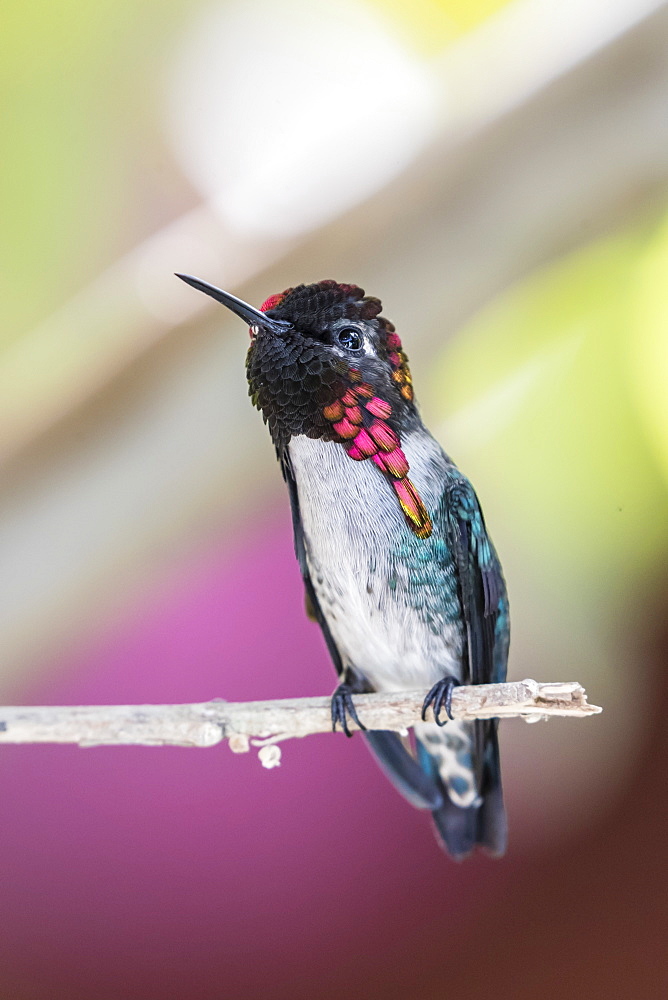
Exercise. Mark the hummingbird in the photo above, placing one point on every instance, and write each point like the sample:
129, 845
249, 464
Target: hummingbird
398, 568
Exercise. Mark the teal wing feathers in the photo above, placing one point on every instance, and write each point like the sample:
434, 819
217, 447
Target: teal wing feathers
484, 610
482, 589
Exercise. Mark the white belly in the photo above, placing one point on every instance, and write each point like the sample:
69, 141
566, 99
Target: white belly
353, 527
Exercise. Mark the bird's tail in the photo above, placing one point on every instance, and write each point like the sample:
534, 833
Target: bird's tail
463, 757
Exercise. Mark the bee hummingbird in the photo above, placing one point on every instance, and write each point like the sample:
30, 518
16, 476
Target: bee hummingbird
398, 568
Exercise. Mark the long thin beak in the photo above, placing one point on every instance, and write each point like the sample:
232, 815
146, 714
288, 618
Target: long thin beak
253, 317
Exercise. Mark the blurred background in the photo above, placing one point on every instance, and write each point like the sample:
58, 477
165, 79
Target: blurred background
497, 173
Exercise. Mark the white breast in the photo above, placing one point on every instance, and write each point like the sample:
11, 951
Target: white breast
352, 524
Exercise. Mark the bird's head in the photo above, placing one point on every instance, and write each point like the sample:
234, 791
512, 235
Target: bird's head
324, 363
318, 351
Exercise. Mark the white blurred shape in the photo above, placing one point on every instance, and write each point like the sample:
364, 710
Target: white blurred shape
270, 756
285, 115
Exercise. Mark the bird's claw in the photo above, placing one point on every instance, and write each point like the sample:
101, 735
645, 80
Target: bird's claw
342, 707
440, 697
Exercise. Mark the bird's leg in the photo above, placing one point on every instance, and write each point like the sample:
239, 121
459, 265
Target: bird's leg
343, 705
440, 697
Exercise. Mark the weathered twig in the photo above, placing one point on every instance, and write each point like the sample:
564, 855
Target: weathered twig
265, 723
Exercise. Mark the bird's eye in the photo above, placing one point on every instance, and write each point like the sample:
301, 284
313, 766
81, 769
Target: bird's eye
349, 338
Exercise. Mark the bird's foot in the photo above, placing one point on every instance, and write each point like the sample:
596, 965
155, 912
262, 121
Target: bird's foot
342, 707
440, 697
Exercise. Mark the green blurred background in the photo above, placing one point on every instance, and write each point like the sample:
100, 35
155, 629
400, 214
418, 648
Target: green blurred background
498, 175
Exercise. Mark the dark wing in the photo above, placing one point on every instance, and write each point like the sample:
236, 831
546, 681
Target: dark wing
481, 584
484, 606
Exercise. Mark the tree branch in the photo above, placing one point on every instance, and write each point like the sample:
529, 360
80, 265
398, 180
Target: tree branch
265, 723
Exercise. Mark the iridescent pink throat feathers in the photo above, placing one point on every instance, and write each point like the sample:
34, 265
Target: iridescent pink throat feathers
359, 419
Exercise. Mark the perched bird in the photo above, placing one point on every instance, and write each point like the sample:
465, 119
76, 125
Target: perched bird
397, 564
